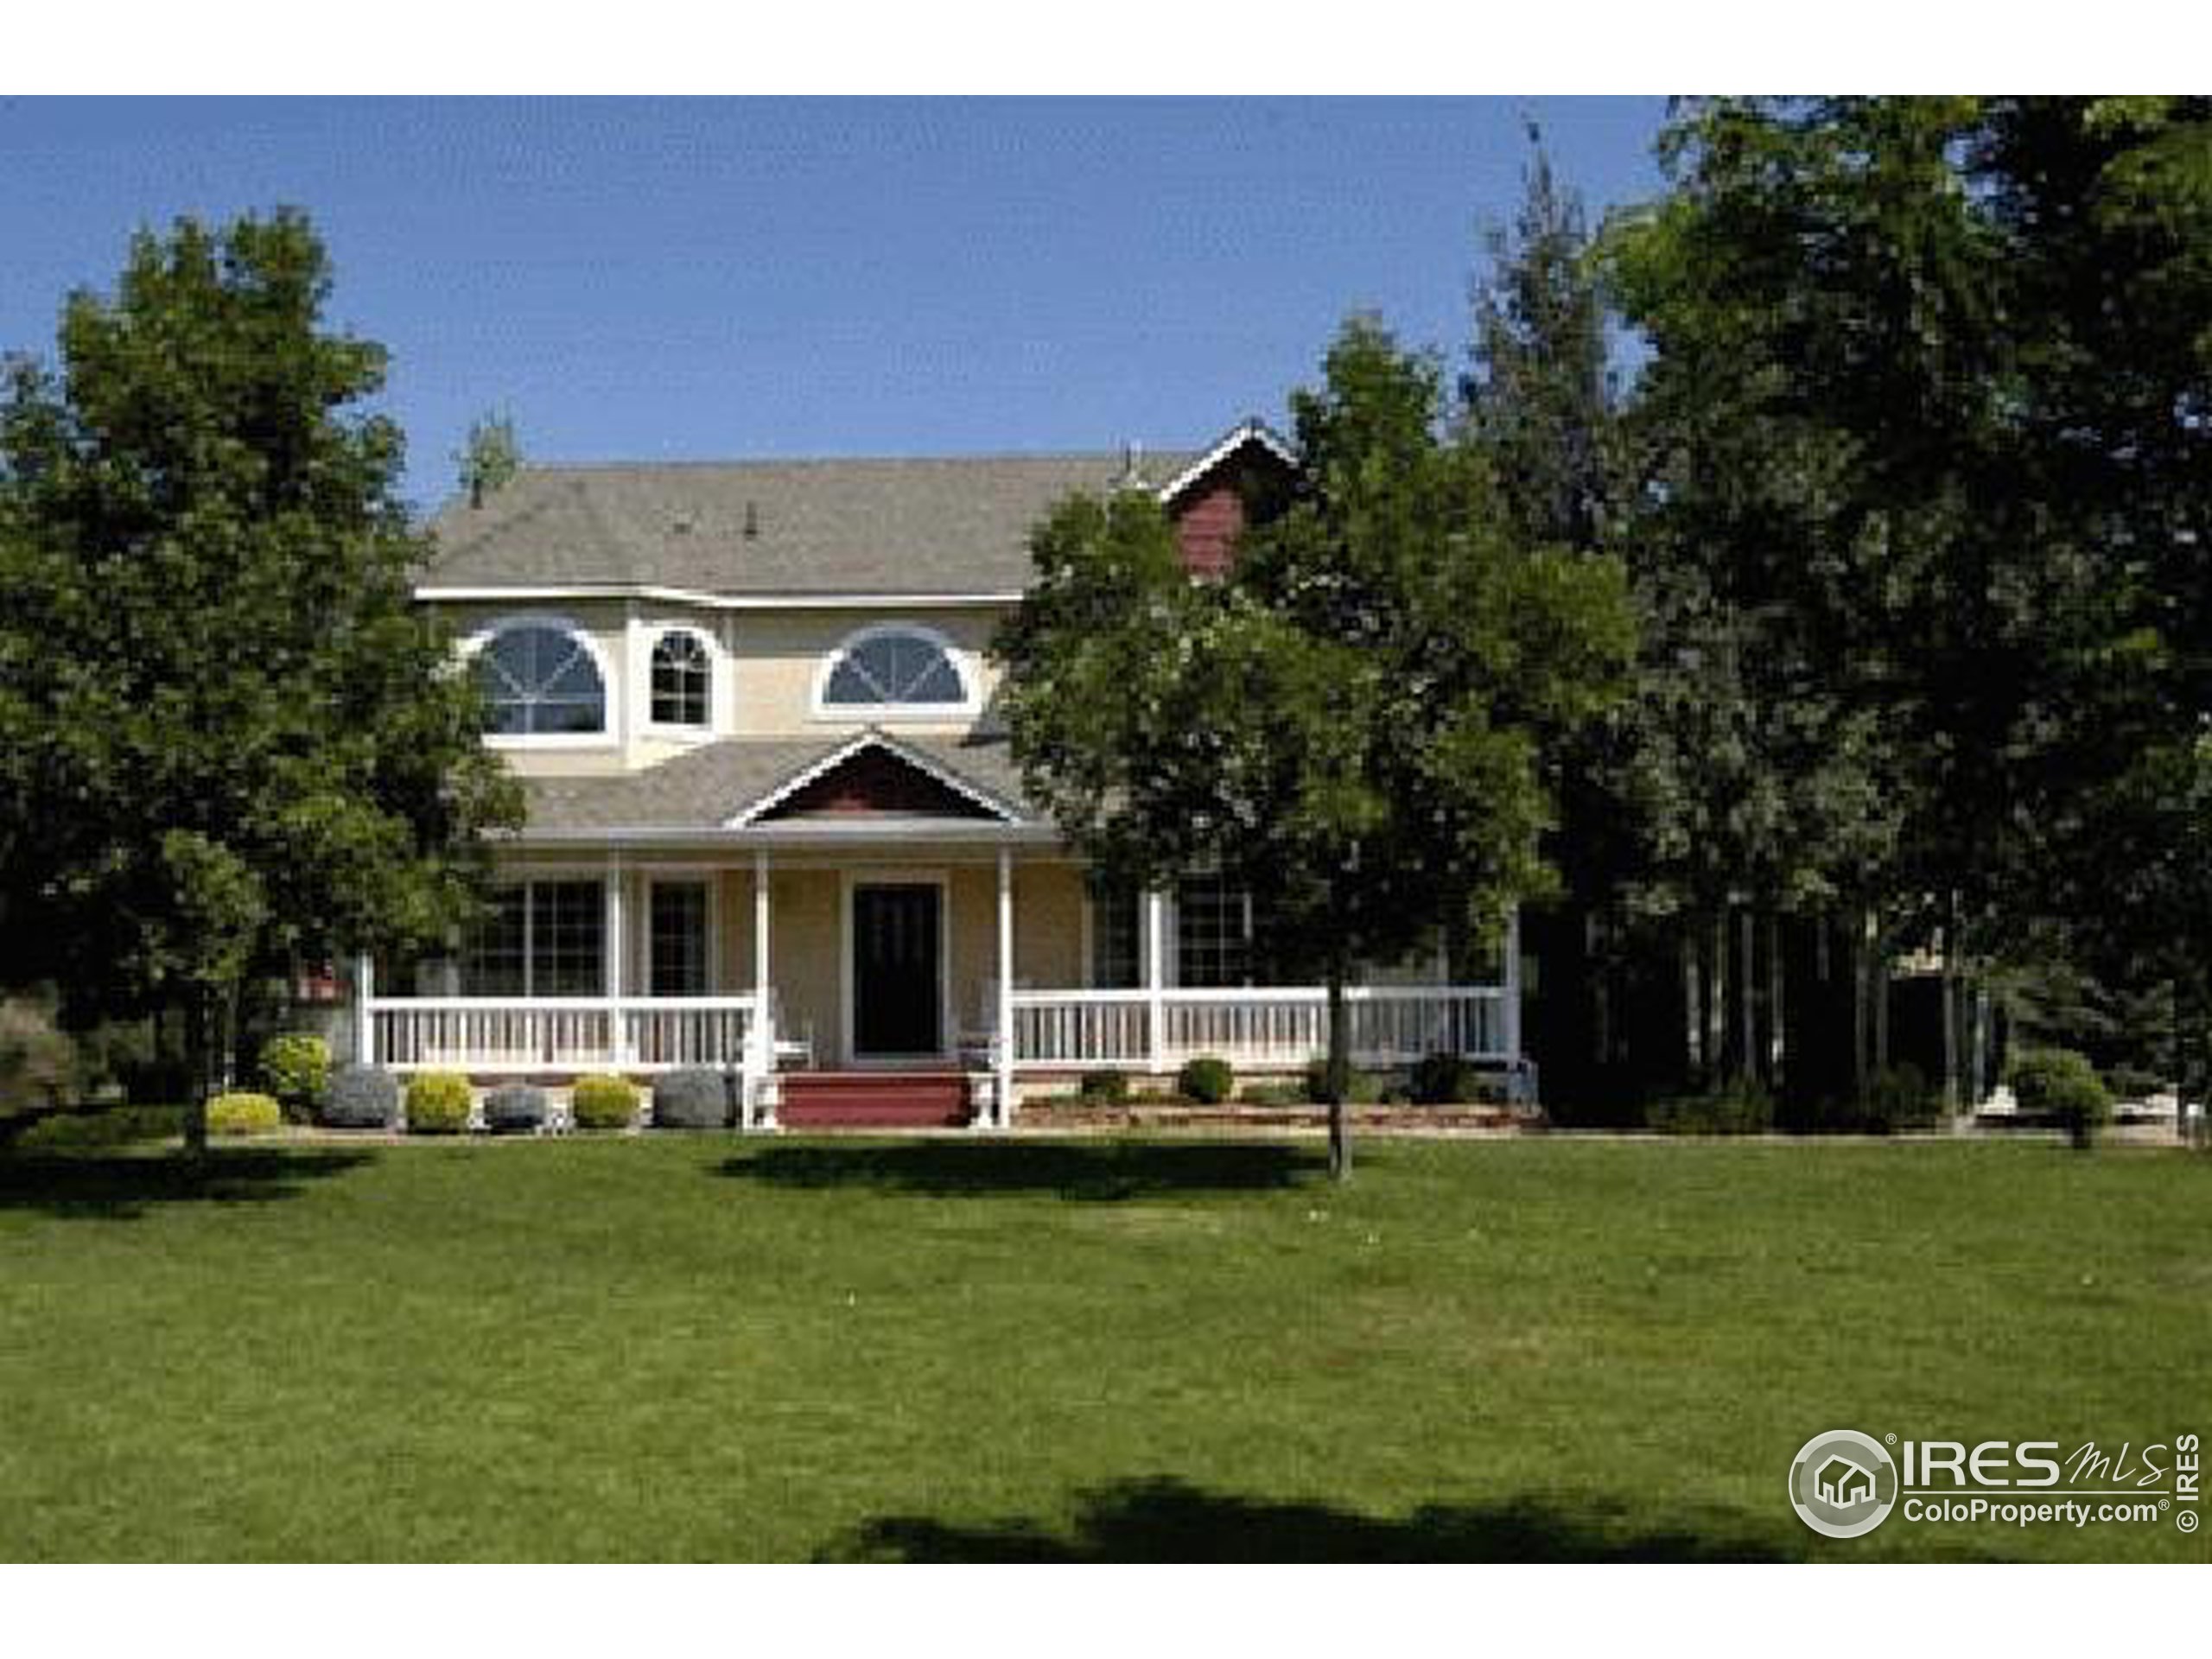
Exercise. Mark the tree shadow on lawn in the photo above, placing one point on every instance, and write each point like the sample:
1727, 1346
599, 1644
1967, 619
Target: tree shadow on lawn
1106, 1173
1165, 1519
124, 1187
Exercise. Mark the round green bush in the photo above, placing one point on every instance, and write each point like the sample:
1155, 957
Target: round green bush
1738, 1108
515, 1108
2060, 1085
437, 1103
1441, 1080
360, 1097
1207, 1079
1103, 1088
696, 1098
1361, 1087
1899, 1096
605, 1103
296, 1067
240, 1113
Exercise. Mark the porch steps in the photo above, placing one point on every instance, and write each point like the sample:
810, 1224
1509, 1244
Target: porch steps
875, 1100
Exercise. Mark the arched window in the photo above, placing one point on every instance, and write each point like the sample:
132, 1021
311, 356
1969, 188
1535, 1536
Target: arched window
903, 668
541, 680
682, 675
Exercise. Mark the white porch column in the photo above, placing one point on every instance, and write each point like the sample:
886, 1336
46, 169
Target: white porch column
760, 1096
618, 1028
365, 1024
1002, 1049
1155, 957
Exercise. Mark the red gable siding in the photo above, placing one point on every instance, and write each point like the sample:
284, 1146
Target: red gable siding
1245, 486
873, 781
1208, 520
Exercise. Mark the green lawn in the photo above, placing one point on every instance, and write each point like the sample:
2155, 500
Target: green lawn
695, 1347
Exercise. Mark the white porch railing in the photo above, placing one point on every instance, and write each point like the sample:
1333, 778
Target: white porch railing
1272, 1026
635, 1034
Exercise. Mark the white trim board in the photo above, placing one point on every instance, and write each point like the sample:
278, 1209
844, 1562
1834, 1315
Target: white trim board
1253, 430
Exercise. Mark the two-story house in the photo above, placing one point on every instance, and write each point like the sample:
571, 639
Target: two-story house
774, 827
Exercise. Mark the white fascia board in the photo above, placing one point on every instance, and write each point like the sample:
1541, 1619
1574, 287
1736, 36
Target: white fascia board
1237, 437
831, 602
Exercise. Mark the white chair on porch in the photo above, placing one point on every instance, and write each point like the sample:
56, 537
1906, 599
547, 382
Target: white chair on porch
793, 1051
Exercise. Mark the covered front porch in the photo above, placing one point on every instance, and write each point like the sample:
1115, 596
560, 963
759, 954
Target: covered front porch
995, 963
878, 907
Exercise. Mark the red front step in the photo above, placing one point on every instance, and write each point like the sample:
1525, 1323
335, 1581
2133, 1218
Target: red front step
923, 1100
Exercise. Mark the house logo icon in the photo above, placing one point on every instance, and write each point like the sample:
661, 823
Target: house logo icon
1843, 1483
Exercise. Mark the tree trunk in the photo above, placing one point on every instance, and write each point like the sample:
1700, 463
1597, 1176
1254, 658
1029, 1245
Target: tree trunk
1775, 1039
1338, 1075
1860, 1043
1746, 986
1693, 1019
1716, 1000
1952, 1055
198, 1017
1881, 972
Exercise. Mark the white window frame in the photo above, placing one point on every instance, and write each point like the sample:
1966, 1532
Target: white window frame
716, 668
610, 683
968, 708
551, 875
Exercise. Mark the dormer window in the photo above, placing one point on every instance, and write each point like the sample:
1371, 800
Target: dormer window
541, 680
682, 678
896, 669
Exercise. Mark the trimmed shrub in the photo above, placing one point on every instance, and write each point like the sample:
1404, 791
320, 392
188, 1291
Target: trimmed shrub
361, 1097
698, 1098
1103, 1089
515, 1108
1441, 1080
1739, 1108
1361, 1087
118, 1126
241, 1113
1272, 1094
437, 1103
296, 1067
2060, 1084
604, 1103
1206, 1079
1899, 1096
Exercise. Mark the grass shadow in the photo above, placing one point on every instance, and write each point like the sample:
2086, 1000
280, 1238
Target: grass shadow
1167, 1519
124, 1187
1097, 1172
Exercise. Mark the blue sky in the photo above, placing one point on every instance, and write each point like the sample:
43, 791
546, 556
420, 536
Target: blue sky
788, 277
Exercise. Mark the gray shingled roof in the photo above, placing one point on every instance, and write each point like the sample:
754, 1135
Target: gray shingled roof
707, 787
929, 526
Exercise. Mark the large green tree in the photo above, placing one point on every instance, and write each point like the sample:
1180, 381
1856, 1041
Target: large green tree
1924, 415
230, 740
1356, 724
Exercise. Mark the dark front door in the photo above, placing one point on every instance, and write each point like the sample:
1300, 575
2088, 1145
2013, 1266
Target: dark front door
896, 996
